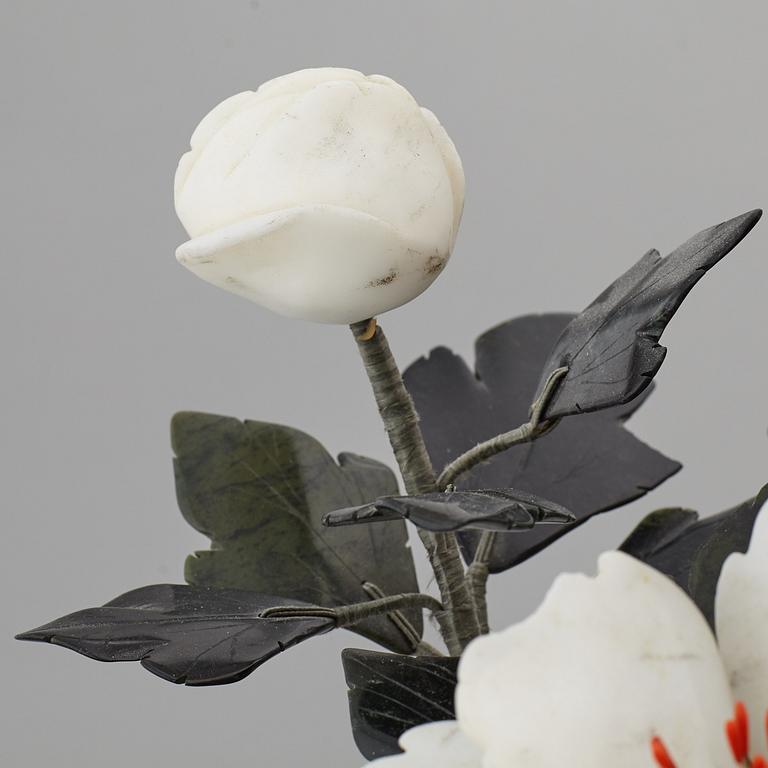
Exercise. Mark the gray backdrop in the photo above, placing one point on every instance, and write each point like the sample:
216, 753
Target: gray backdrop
590, 131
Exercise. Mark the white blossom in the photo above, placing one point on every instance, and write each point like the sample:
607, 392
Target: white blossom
606, 664
325, 195
741, 620
437, 745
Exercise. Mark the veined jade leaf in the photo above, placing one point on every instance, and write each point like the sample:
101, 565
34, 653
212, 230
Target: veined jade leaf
190, 635
388, 694
487, 509
691, 550
588, 464
611, 349
259, 492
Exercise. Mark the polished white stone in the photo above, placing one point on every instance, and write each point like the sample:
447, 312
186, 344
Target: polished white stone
325, 195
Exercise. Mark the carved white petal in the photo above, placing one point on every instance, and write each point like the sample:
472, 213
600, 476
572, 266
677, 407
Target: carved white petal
330, 139
452, 164
352, 142
304, 79
434, 745
320, 263
741, 619
606, 663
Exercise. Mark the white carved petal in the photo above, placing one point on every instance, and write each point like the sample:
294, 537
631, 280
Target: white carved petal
206, 129
434, 745
355, 144
452, 165
209, 126
304, 79
606, 663
204, 171
741, 619
319, 262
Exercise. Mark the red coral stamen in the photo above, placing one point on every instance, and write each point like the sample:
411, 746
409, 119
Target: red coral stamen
660, 754
733, 732
766, 725
742, 719
737, 731
759, 762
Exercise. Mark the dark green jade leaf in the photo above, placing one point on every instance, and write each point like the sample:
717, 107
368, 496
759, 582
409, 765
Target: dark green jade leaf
587, 465
259, 492
491, 510
388, 694
190, 635
611, 349
692, 551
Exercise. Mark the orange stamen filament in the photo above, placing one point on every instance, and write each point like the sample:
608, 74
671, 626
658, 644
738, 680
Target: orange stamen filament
742, 719
737, 731
660, 754
734, 739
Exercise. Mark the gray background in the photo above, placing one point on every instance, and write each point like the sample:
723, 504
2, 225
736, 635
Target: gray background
589, 131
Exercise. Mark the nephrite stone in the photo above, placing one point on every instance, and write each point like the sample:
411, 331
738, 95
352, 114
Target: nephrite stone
692, 551
389, 694
190, 635
611, 349
326, 195
492, 510
587, 464
259, 492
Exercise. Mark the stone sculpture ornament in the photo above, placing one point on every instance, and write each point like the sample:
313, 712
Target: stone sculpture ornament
325, 195
331, 196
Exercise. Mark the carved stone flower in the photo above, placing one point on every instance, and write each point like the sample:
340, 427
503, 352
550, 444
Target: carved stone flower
608, 668
325, 195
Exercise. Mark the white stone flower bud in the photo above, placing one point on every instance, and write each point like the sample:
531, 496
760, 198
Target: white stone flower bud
324, 195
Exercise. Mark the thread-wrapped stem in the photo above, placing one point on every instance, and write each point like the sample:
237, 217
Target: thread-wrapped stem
477, 577
345, 615
458, 622
534, 428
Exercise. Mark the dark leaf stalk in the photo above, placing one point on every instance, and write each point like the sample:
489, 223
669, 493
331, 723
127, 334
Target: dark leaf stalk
346, 615
534, 428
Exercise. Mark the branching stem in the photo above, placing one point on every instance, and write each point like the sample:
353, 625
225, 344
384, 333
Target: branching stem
399, 619
477, 577
344, 615
534, 428
458, 623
